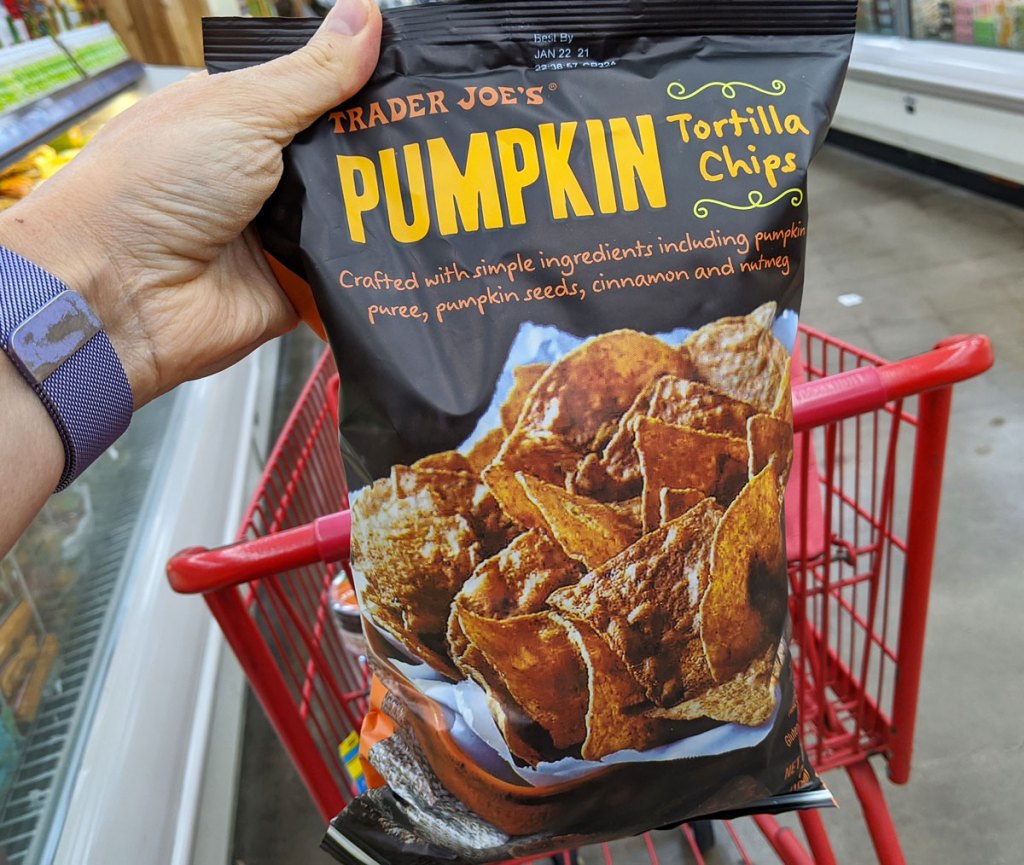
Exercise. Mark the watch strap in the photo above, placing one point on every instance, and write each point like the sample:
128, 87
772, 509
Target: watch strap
56, 342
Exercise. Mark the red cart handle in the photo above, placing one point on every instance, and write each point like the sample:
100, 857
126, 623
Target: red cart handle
818, 402
198, 570
868, 388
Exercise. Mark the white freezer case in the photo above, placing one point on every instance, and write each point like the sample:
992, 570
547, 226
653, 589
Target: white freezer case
958, 103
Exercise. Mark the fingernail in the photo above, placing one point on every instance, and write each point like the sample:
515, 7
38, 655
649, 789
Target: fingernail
347, 17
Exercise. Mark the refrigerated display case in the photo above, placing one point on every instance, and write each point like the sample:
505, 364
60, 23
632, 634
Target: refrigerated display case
989, 23
127, 754
940, 79
877, 16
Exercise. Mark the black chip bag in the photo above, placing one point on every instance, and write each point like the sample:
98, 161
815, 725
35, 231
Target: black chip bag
558, 251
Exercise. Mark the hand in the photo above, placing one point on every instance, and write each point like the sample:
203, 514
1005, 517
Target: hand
149, 223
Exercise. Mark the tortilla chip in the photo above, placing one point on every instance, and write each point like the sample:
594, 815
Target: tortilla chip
644, 604
684, 402
631, 510
744, 608
587, 530
459, 493
539, 454
672, 504
513, 723
783, 406
676, 401
414, 543
741, 357
595, 383
390, 620
512, 586
451, 461
519, 578
679, 458
519, 648
452, 490
617, 718
590, 478
771, 443
618, 456
523, 380
459, 646
485, 450
748, 698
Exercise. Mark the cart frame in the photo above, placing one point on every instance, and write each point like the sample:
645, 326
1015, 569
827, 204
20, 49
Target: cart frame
862, 528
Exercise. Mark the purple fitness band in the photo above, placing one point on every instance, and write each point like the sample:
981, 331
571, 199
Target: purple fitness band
56, 342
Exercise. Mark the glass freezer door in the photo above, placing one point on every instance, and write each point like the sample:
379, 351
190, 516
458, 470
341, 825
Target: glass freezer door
60, 589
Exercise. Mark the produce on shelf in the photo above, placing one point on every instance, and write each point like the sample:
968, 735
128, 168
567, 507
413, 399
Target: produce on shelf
16, 670
14, 629
20, 178
31, 693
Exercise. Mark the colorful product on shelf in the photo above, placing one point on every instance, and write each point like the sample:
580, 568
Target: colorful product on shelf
963, 21
983, 22
19, 179
95, 48
25, 20
32, 70
36, 68
15, 23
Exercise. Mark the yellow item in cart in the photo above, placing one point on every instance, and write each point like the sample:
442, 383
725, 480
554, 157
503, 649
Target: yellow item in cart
16, 169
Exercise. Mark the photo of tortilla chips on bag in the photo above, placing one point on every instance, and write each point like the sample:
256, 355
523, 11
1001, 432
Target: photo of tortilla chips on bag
657, 609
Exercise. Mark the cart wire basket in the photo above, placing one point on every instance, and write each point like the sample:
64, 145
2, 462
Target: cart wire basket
861, 514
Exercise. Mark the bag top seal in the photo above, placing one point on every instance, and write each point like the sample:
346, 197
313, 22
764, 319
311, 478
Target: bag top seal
231, 42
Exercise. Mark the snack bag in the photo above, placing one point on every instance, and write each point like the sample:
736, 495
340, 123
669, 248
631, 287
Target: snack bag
558, 251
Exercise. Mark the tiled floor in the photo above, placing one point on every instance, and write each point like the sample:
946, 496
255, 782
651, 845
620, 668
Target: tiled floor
926, 260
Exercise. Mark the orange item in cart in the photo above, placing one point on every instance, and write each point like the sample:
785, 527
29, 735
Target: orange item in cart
376, 727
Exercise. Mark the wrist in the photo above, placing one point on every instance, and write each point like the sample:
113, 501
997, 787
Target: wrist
67, 249
53, 338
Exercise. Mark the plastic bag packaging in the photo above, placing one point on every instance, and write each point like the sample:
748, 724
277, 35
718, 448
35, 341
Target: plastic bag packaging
558, 251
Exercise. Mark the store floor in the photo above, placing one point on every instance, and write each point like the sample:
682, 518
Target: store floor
926, 260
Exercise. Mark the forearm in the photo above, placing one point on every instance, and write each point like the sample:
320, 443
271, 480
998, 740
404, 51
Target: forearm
31, 455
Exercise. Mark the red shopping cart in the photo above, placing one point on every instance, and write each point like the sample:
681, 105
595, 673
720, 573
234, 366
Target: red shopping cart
862, 509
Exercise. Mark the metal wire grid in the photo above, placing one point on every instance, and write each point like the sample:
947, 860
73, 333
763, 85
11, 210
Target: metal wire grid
292, 610
847, 599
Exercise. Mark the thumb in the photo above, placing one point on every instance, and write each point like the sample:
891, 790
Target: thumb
296, 89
